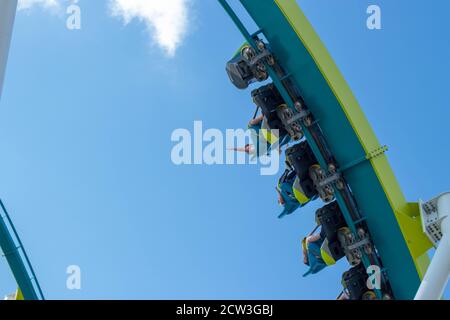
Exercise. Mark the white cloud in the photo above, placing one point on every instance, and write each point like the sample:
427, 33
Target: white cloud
48, 4
166, 20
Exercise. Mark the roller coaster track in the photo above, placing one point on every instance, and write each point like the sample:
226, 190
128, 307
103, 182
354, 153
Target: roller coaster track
343, 143
15, 254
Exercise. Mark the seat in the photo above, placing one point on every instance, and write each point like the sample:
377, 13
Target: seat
268, 99
331, 219
301, 158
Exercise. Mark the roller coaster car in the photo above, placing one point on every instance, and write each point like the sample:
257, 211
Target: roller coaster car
301, 158
269, 100
275, 109
331, 219
355, 283
311, 175
247, 66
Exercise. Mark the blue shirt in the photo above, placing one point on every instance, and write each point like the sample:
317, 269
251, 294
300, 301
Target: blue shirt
285, 186
316, 263
257, 136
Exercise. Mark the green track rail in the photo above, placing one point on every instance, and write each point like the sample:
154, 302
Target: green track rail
17, 258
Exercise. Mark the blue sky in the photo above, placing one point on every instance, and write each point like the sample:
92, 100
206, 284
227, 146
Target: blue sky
85, 127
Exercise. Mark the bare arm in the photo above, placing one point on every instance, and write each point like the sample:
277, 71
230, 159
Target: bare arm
238, 149
280, 197
313, 238
247, 149
343, 296
305, 253
257, 120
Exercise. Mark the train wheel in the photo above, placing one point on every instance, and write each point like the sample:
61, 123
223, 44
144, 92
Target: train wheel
387, 296
261, 45
248, 53
369, 295
308, 121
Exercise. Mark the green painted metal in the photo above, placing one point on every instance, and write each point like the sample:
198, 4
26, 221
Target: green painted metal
17, 258
392, 222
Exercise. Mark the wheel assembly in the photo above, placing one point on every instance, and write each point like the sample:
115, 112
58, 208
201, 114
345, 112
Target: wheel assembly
347, 239
369, 295
326, 192
248, 53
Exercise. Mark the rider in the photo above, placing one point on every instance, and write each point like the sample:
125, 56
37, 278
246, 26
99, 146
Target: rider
290, 192
312, 253
260, 133
286, 196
